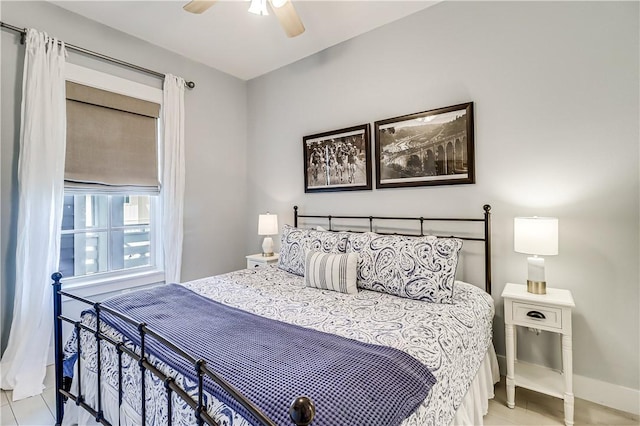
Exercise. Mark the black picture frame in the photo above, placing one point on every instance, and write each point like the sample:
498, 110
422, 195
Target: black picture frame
338, 160
434, 147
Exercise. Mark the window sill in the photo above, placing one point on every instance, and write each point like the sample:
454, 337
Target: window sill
88, 287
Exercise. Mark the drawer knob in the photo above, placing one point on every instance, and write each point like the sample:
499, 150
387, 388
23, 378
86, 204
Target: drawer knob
536, 315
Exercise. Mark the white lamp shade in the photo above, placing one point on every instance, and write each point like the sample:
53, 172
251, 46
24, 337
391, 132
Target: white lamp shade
267, 224
536, 235
258, 7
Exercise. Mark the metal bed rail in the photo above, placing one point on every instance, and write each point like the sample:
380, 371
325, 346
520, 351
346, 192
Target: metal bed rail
301, 411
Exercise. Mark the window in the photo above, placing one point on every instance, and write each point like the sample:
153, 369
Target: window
107, 233
110, 225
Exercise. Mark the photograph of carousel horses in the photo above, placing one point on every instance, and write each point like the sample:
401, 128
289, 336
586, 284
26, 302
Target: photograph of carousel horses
338, 160
427, 148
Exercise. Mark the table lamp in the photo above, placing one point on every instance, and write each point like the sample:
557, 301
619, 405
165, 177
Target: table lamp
537, 236
267, 225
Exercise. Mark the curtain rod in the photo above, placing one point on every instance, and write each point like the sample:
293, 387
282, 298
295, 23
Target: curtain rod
23, 31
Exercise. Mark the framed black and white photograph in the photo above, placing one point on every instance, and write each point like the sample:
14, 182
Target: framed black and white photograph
338, 160
426, 148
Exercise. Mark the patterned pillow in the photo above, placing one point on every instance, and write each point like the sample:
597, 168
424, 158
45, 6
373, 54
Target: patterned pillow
422, 268
326, 241
291, 256
335, 272
295, 242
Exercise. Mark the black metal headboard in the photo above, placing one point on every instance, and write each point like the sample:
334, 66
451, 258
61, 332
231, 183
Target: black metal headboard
486, 238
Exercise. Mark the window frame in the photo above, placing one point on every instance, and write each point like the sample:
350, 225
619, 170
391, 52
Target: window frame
108, 228
108, 281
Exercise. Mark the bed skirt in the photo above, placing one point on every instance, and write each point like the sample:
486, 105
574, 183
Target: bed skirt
475, 404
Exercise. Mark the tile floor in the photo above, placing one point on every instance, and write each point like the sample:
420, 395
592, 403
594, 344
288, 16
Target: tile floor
34, 411
532, 408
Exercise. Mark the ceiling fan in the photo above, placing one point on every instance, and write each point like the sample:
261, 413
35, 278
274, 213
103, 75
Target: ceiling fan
283, 9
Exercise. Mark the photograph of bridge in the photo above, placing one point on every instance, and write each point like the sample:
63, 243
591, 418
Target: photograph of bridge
428, 148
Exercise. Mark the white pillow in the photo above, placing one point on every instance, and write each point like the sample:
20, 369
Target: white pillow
335, 272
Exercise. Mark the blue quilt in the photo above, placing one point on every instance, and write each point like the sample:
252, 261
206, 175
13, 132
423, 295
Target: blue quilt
271, 362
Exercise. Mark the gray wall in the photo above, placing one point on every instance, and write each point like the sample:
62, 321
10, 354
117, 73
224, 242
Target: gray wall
216, 114
555, 87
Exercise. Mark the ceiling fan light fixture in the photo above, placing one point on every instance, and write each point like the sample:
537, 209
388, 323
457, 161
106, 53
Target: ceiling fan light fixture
258, 7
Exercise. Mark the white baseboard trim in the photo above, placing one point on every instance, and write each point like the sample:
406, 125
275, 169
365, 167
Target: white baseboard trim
608, 394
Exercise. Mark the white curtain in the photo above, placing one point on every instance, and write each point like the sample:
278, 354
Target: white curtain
172, 175
40, 194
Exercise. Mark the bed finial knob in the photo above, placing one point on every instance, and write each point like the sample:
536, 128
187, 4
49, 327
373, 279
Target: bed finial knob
302, 411
486, 208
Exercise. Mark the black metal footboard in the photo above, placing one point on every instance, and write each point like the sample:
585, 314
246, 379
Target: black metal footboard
301, 411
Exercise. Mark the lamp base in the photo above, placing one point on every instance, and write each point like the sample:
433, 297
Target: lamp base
537, 287
267, 247
268, 254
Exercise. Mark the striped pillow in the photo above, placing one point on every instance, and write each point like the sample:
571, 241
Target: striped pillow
335, 272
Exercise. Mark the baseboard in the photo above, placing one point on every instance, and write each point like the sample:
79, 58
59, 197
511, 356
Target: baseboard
610, 395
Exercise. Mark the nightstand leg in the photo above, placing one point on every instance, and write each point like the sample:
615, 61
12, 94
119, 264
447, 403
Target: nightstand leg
511, 356
515, 344
567, 367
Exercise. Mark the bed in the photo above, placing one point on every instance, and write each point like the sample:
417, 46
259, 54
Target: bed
452, 340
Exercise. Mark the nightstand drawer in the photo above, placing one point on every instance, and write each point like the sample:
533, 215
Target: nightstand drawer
253, 264
528, 314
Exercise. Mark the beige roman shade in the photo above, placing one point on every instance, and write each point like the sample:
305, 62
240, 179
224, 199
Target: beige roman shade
112, 142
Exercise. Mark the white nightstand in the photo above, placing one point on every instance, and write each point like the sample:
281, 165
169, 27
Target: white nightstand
549, 312
258, 260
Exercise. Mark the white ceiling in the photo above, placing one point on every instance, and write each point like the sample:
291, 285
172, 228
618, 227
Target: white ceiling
230, 39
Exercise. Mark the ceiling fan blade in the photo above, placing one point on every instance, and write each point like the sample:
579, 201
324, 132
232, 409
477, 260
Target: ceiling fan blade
288, 17
198, 6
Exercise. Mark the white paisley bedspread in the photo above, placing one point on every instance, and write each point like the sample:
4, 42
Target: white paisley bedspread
450, 339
